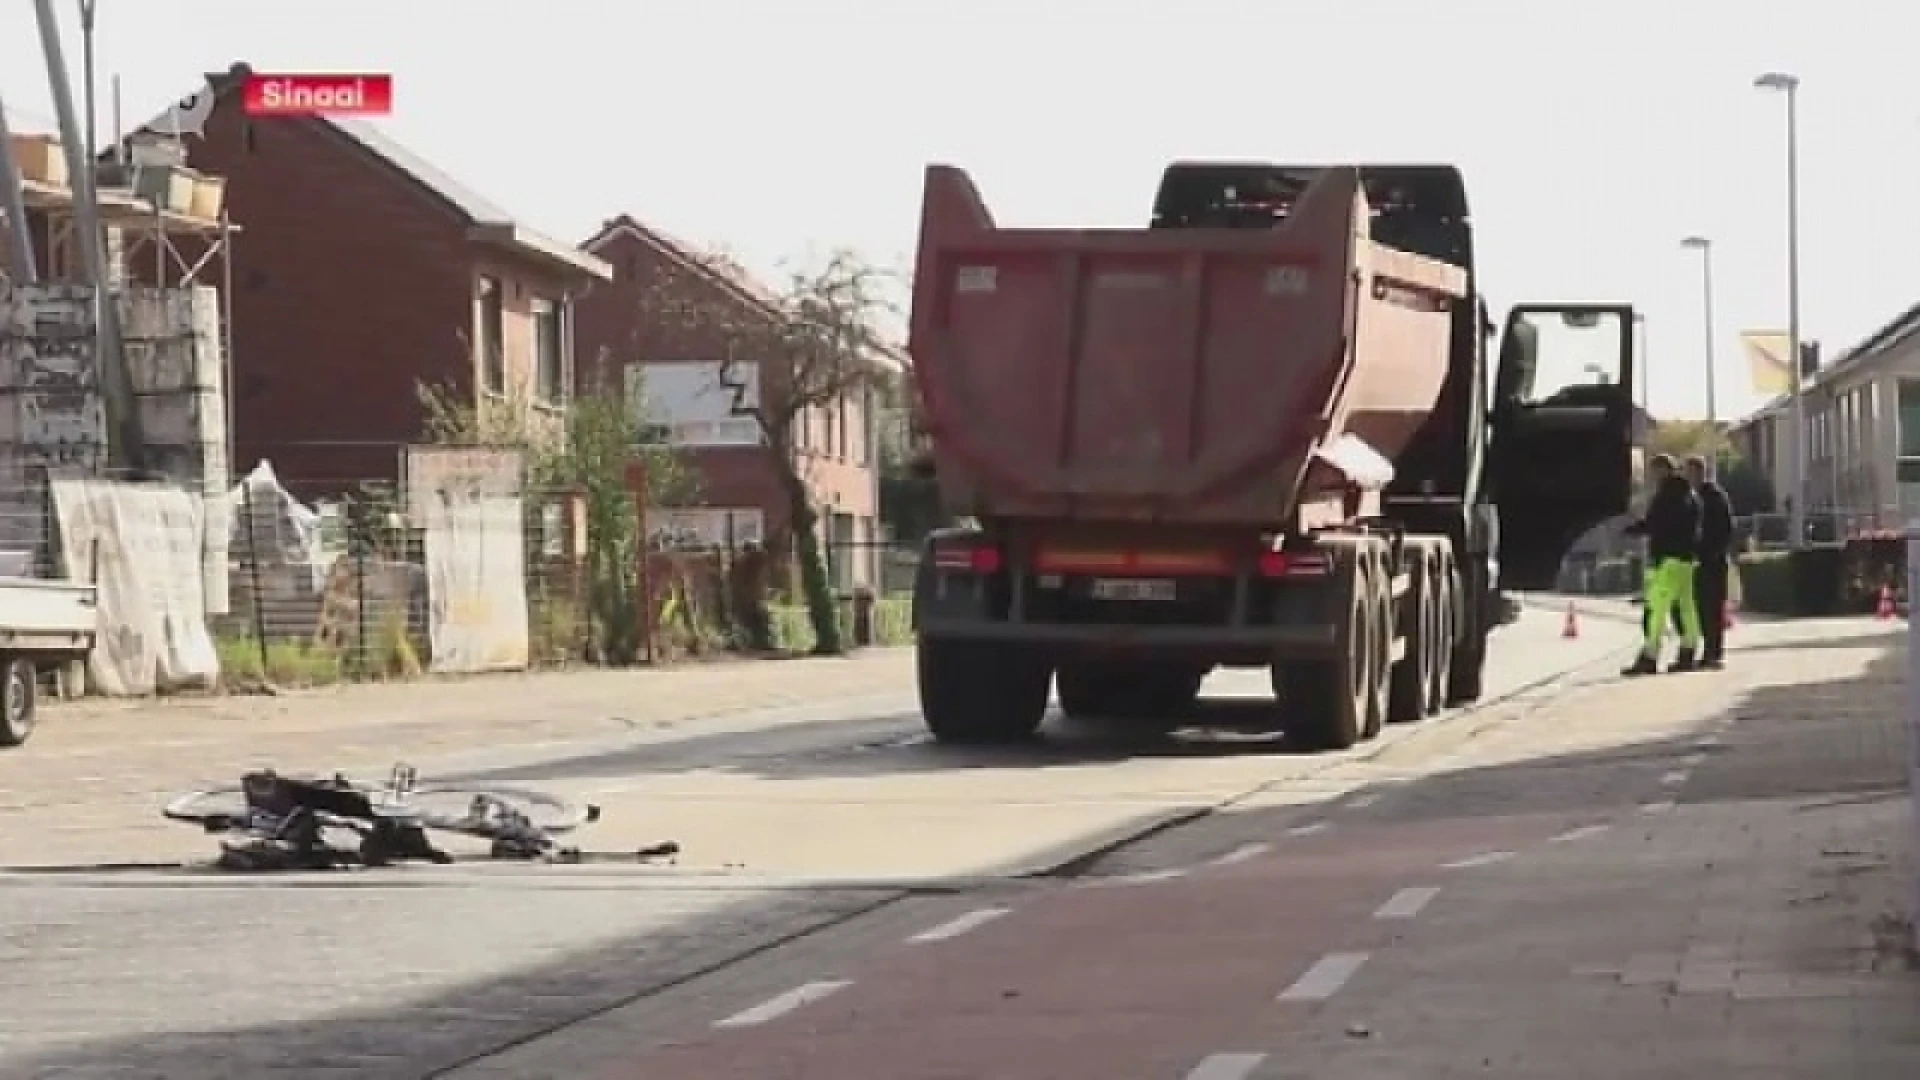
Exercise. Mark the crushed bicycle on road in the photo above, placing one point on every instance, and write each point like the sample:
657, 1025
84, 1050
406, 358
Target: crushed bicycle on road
271, 821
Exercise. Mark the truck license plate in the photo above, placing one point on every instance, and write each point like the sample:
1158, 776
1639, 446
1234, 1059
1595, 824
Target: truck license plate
1133, 589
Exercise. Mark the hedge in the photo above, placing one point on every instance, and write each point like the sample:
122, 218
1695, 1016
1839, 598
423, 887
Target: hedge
1824, 579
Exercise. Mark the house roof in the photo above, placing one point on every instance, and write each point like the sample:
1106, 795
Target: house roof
717, 269
723, 272
487, 223
1882, 344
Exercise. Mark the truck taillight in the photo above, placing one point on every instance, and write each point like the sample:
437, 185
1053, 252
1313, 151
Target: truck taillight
1282, 564
968, 557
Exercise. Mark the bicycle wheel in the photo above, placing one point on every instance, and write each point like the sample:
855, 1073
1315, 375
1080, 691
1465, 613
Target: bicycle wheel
230, 802
200, 807
466, 808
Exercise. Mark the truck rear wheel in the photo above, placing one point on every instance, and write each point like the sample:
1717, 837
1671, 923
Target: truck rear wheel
1446, 623
1326, 700
19, 699
1380, 634
1150, 692
980, 693
1466, 682
1412, 680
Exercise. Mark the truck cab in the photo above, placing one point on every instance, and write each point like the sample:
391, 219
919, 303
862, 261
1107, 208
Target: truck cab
1536, 424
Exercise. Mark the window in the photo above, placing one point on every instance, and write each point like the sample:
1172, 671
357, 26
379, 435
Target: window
549, 352
1909, 418
685, 403
492, 337
1906, 469
841, 551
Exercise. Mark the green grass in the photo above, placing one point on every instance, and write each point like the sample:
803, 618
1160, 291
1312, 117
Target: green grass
287, 663
892, 623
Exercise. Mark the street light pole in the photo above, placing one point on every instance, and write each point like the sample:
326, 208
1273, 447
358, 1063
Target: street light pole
1640, 360
1789, 85
1704, 246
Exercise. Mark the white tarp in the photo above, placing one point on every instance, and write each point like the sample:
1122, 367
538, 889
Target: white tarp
269, 527
476, 581
148, 544
468, 502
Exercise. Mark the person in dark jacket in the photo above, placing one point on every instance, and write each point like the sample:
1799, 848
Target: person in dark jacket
1671, 525
1713, 558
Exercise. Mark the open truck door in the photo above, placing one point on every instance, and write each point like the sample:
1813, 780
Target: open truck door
1562, 417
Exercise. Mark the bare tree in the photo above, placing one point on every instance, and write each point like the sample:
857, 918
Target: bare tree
787, 356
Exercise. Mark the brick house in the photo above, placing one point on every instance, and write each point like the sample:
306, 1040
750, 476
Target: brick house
677, 367
362, 273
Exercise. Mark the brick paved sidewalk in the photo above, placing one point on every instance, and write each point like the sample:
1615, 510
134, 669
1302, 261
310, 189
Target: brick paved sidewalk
1748, 917
99, 765
1684, 877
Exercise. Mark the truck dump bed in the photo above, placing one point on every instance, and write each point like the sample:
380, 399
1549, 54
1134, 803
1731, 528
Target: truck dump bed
1186, 376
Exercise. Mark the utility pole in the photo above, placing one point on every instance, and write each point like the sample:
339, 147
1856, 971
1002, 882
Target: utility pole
126, 441
1789, 86
86, 74
13, 201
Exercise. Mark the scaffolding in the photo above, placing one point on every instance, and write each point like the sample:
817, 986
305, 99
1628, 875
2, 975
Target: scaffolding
156, 246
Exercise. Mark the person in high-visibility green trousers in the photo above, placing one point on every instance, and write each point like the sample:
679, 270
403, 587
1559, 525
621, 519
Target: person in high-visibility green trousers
1672, 528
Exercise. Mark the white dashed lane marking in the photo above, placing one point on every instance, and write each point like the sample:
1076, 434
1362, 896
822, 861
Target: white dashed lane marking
1145, 877
1660, 807
1674, 778
1485, 858
1242, 854
953, 928
1580, 833
1325, 978
1407, 903
780, 1005
1226, 1067
1308, 829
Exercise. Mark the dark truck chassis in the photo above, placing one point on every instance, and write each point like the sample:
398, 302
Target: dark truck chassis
1359, 628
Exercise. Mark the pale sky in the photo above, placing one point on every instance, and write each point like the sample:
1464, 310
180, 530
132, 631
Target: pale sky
1594, 136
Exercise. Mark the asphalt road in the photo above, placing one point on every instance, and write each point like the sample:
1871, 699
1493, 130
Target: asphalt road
804, 829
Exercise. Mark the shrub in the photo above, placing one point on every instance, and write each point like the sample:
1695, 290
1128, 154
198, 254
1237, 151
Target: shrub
1766, 582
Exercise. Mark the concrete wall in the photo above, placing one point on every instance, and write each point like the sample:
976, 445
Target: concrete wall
52, 417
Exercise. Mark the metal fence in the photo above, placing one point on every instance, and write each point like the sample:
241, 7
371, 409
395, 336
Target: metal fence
740, 596
340, 588
1774, 532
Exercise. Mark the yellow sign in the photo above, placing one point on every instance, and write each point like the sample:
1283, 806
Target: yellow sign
1767, 352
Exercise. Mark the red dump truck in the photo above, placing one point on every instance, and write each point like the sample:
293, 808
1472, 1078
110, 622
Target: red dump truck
1269, 430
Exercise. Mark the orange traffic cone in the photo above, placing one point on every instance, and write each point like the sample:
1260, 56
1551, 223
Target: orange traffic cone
1885, 608
1570, 629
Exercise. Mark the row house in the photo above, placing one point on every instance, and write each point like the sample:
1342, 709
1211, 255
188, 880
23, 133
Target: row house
363, 274
354, 273
671, 370
1862, 439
